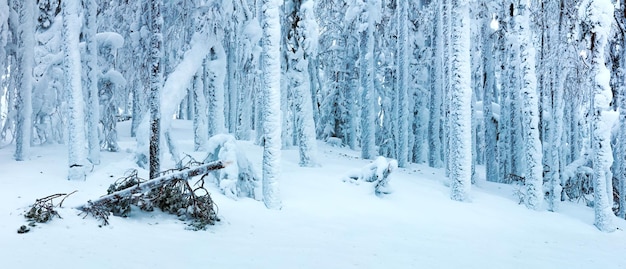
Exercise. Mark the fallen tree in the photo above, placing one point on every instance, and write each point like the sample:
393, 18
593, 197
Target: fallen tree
170, 192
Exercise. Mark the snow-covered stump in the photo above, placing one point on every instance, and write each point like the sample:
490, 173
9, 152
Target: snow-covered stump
377, 173
239, 179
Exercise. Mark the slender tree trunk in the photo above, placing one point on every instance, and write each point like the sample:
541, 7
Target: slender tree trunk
156, 83
491, 125
460, 103
530, 112
91, 63
598, 15
403, 84
270, 22
25, 60
72, 71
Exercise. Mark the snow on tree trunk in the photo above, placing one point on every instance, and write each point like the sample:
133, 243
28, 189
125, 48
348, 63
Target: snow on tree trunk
25, 60
403, 84
91, 64
72, 71
270, 22
156, 82
621, 134
490, 122
530, 112
200, 132
460, 106
217, 65
173, 90
436, 92
303, 43
369, 98
597, 16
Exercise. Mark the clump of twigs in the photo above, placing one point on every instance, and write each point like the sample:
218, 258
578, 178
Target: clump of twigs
172, 193
43, 210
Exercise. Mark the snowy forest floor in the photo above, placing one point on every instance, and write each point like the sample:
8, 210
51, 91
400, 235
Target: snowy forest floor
324, 223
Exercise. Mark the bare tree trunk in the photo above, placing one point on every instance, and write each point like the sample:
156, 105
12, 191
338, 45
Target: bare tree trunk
156, 82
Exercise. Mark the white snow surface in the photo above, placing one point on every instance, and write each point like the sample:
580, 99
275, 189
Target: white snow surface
324, 222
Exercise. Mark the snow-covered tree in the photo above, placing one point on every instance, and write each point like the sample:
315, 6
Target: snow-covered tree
302, 41
530, 110
366, 15
270, 22
77, 160
156, 83
597, 16
403, 79
91, 80
489, 92
110, 83
460, 106
25, 51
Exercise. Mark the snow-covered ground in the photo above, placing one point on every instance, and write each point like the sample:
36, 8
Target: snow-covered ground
324, 222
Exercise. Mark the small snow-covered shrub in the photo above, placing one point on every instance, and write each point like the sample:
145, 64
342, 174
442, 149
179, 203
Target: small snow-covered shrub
377, 173
238, 179
334, 141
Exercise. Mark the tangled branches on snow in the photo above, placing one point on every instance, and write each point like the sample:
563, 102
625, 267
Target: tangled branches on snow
43, 210
171, 193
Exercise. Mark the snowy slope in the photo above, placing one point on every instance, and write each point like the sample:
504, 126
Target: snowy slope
324, 223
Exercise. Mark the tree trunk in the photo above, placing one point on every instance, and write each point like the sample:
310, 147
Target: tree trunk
156, 82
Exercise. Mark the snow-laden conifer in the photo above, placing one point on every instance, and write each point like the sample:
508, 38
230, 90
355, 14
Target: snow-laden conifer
597, 16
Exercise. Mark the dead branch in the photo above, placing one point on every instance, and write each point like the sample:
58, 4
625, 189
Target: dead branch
170, 192
154, 184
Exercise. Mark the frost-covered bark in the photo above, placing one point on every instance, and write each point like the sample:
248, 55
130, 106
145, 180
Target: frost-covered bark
217, 76
530, 111
156, 82
270, 22
436, 92
91, 80
620, 151
302, 39
72, 70
200, 132
403, 83
460, 106
368, 15
25, 61
489, 91
597, 16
